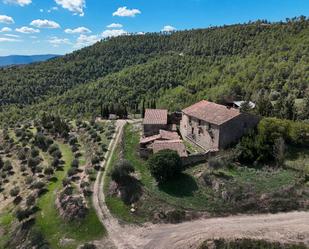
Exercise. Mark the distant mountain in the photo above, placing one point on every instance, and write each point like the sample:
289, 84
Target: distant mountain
177, 69
24, 59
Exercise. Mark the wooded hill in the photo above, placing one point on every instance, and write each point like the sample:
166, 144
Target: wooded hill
238, 61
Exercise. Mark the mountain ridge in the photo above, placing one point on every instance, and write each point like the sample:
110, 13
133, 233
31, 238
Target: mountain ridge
11, 60
177, 69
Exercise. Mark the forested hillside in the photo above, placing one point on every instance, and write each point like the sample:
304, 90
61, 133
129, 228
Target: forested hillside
239, 62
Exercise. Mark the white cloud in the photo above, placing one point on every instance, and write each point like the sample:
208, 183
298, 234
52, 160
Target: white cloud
6, 19
168, 28
79, 30
113, 33
55, 8
19, 2
125, 12
11, 35
5, 29
4, 39
114, 25
76, 6
33, 37
56, 42
84, 40
45, 24
27, 30
41, 10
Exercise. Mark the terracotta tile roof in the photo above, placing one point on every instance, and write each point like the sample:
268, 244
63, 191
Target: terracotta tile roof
211, 112
169, 135
164, 135
155, 116
176, 145
146, 140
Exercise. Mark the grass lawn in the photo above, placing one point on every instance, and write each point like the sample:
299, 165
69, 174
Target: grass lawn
188, 191
298, 158
50, 223
6, 220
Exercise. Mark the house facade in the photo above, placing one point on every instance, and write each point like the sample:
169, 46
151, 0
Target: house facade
213, 127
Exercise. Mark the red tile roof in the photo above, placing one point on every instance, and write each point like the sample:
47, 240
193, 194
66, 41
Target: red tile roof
164, 135
211, 112
146, 140
155, 116
169, 135
176, 145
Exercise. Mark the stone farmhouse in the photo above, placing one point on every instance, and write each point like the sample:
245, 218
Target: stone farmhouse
213, 127
208, 125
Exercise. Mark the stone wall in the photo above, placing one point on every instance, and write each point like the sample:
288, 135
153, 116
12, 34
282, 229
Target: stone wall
234, 129
204, 134
193, 159
152, 129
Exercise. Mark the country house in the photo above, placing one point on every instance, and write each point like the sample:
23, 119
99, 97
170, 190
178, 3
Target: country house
205, 124
212, 126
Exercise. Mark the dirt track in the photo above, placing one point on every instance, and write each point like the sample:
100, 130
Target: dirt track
284, 227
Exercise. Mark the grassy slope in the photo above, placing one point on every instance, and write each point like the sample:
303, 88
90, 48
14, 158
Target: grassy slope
187, 191
53, 227
6, 220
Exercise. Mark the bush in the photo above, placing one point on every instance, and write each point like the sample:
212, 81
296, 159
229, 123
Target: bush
30, 201
21, 155
75, 163
216, 163
33, 162
53, 148
38, 185
56, 154
55, 163
49, 171
95, 160
72, 172
15, 191
164, 165
259, 145
34, 152
7, 166
121, 172
22, 214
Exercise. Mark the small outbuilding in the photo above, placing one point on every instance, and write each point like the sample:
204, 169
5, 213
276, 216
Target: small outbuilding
154, 121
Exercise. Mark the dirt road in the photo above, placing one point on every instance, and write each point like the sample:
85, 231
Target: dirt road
284, 227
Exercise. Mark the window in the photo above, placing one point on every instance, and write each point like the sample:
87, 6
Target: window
199, 122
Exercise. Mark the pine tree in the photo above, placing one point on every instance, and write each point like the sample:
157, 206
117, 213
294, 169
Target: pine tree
143, 109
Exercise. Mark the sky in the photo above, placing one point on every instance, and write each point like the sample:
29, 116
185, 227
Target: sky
62, 26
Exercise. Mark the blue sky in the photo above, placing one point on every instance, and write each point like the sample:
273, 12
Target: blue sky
61, 26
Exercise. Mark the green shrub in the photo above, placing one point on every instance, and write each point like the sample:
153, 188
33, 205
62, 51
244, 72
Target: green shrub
165, 165
34, 152
259, 145
30, 200
7, 166
75, 163
121, 172
15, 191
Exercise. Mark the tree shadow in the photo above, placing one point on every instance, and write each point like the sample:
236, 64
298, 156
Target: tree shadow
131, 190
53, 179
182, 185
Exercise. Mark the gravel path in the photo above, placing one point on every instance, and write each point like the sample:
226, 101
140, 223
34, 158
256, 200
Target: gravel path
290, 227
